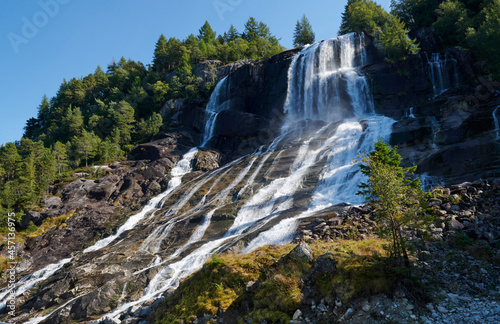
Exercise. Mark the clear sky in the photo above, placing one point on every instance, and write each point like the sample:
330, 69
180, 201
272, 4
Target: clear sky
44, 41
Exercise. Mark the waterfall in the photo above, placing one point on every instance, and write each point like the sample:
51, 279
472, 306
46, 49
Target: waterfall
436, 128
330, 119
497, 126
179, 170
215, 105
409, 113
331, 88
443, 71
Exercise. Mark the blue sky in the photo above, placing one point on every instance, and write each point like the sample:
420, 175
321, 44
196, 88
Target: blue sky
44, 41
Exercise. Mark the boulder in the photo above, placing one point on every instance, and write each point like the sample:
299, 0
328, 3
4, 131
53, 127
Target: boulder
301, 253
455, 225
207, 160
325, 264
153, 189
31, 216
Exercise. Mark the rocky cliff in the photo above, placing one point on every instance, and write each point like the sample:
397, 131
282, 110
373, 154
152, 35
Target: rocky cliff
259, 171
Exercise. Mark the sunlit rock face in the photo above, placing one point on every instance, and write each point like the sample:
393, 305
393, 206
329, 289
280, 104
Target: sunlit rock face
278, 142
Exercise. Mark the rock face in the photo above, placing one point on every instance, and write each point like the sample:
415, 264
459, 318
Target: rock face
301, 253
450, 134
97, 207
256, 96
207, 160
167, 145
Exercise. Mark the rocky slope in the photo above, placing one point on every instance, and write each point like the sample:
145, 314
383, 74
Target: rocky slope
457, 271
449, 132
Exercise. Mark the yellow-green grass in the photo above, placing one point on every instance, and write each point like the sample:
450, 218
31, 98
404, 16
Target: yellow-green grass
221, 283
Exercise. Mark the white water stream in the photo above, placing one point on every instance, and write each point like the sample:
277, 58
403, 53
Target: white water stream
214, 107
330, 119
497, 125
180, 169
443, 73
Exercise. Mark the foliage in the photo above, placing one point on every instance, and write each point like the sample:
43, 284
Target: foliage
362, 16
472, 24
415, 13
452, 22
396, 199
368, 17
360, 270
394, 41
303, 33
26, 172
484, 39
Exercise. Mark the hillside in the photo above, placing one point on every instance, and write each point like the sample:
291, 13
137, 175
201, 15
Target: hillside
201, 174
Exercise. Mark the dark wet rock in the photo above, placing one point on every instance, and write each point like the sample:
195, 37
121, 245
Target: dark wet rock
234, 124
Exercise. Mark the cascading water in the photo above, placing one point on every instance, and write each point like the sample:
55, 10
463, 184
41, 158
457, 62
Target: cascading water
410, 114
215, 105
330, 119
497, 125
179, 170
318, 74
436, 128
443, 72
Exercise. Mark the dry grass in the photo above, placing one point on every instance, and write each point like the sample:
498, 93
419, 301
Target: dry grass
221, 284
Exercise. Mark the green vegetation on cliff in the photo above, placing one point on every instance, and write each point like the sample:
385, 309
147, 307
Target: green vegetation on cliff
98, 118
303, 33
390, 32
472, 24
273, 287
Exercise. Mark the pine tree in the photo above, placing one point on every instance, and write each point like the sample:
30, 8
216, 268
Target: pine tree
303, 33
46, 170
394, 40
72, 124
251, 30
207, 34
123, 119
362, 16
29, 195
85, 146
160, 54
9, 158
397, 200
61, 156
44, 112
102, 82
232, 34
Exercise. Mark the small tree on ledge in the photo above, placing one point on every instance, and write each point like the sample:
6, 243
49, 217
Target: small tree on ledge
397, 200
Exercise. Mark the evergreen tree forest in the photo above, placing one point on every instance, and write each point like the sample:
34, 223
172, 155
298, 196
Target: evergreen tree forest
100, 117
470, 24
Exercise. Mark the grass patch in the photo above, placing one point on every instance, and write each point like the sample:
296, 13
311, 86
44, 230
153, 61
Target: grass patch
221, 283
59, 222
32, 231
